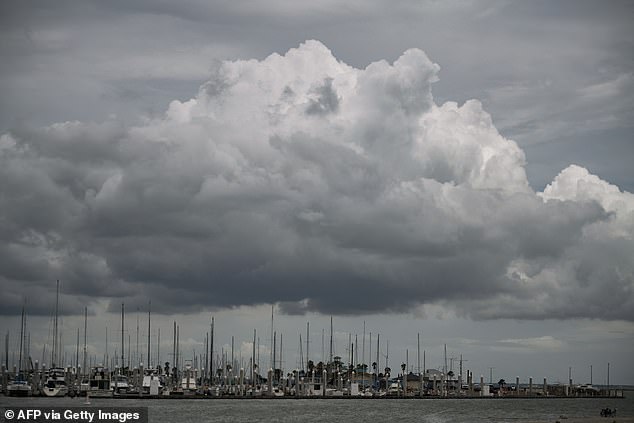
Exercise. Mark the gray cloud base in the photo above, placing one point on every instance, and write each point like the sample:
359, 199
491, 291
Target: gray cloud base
303, 181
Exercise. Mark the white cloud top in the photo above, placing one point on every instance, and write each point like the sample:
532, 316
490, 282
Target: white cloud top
301, 180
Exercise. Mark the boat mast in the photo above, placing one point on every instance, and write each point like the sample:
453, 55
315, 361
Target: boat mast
206, 355
106, 358
21, 342
85, 330
307, 341
122, 338
77, 353
174, 348
55, 352
253, 360
149, 322
330, 357
271, 358
211, 350
178, 339
136, 352
274, 351
6, 351
363, 358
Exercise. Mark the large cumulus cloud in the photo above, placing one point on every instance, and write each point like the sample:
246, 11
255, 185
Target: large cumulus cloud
303, 181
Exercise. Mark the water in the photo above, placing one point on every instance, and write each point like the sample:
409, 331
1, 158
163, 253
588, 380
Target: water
350, 410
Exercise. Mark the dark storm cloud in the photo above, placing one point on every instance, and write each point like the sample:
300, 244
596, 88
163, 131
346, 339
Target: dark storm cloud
303, 181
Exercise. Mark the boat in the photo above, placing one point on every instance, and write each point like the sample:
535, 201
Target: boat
333, 392
55, 385
19, 388
152, 383
188, 382
99, 383
119, 384
395, 389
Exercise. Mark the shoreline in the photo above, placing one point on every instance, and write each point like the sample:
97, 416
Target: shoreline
597, 419
319, 397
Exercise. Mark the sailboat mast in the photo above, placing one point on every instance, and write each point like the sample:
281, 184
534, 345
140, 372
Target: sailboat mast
122, 337
253, 359
307, 340
330, 356
174, 348
85, 330
105, 358
178, 340
21, 341
149, 324
271, 364
211, 348
55, 352
136, 352
77, 353
6, 351
274, 351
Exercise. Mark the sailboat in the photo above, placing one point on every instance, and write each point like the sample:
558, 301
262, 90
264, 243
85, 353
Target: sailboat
19, 386
188, 381
99, 384
55, 385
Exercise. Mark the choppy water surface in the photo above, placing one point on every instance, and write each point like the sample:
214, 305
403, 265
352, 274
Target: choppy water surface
350, 411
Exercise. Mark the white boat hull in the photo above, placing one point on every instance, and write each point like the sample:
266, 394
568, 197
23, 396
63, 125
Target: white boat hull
19, 390
57, 391
100, 393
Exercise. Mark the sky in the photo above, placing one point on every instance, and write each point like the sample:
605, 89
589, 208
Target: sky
458, 171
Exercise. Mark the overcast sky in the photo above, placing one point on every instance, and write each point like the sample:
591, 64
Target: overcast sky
461, 169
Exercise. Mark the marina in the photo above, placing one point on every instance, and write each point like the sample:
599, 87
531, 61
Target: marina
221, 375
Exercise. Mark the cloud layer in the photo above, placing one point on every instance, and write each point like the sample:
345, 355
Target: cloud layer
306, 182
